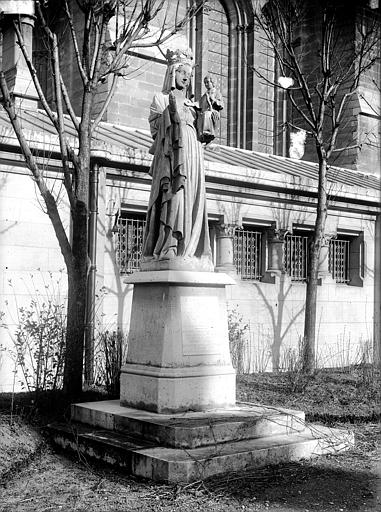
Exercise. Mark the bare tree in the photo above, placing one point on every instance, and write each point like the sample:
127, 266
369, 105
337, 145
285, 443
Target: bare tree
325, 47
98, 60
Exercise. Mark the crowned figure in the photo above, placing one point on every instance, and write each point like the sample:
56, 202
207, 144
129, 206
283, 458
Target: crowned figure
177, 223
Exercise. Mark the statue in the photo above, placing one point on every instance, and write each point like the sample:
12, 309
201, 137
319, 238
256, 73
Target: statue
211, 103
176, 234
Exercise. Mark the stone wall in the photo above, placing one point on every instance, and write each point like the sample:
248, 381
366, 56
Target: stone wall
31, 263
274, 311
357, 145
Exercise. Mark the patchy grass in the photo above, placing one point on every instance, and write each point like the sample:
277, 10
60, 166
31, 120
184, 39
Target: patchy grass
352, 395
45, 480
19, 443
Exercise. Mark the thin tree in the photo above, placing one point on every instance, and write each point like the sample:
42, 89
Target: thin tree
98, 60
326, 47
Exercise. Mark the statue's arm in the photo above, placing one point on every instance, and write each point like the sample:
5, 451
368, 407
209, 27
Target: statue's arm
158, 105
218, 102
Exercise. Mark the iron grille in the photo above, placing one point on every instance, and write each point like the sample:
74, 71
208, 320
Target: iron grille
247, 251
129, 243
339, 260
296, 257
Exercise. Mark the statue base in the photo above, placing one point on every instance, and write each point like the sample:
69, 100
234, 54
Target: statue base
203, 264
178, 355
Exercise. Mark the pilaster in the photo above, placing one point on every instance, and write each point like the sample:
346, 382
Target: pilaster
275, 264
225, 248
324, 273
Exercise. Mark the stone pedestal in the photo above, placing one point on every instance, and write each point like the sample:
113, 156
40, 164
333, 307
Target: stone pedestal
183, 424
178, 355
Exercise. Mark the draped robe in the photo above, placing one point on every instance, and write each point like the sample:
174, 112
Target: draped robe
177, 224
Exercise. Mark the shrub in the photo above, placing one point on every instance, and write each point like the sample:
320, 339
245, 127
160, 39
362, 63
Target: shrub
39, 339
237, 340
110, 354
291, 363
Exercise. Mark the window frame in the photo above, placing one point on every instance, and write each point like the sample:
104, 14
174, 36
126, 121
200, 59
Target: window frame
301, 241
138, 221
259, 257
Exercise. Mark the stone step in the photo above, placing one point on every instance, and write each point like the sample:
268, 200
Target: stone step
147, 459
192, 429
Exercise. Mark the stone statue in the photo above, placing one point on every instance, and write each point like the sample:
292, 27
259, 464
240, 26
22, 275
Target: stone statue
211, 104
176, 234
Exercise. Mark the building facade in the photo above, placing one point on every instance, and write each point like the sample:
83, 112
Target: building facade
261, 202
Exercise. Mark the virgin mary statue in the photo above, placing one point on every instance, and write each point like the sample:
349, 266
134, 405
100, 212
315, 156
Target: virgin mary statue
176, 234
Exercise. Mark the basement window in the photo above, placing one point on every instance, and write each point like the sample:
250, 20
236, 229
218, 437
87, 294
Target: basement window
346, 259
247, 253
295, 257
339, 260
128, 233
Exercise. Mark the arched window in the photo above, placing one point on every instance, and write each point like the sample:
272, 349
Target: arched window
218, 59
226, 45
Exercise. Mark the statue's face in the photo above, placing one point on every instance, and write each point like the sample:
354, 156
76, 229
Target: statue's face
208, 81
183, 76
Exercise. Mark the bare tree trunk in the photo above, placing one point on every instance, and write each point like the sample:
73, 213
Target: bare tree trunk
77, 281
310, 316
309, 341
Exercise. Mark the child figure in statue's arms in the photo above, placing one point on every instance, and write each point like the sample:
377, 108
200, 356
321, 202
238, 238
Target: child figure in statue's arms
211, 104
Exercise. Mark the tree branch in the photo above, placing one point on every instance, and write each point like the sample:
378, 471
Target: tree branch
50, 202
68, 104
75, 43
33, 73
61, 125
107, 101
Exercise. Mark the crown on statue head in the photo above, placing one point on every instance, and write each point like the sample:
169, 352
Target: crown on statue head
180, 57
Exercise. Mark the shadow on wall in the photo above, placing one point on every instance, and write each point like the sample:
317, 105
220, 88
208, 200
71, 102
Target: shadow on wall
277, 316
3, 182
121, 290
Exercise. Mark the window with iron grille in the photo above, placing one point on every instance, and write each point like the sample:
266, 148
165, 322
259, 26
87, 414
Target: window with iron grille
247, 253
129, 231
295, 257
339, 260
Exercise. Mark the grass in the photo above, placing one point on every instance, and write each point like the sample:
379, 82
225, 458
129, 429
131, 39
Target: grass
349, 395
349, 398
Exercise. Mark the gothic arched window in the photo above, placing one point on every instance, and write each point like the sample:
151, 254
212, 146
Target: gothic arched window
224, 43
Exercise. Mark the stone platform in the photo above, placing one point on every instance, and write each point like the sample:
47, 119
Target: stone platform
184, 447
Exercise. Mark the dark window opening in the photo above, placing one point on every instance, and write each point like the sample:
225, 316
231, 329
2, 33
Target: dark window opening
129, 232
247, 253
338, 263
295, 257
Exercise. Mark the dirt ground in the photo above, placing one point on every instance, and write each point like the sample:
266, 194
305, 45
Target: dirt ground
33, 477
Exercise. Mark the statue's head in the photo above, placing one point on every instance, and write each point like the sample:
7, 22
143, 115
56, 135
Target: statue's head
179, 71
176, 57
209, 82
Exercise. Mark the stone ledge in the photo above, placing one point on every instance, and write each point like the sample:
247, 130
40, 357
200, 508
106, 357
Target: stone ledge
191, 278
183, 372
191, 429
158, 463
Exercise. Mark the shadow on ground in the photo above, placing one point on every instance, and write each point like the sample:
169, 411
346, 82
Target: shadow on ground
310, 485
